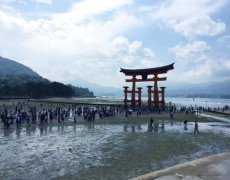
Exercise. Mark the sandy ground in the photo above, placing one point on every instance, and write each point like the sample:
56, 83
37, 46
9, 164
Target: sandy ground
215, 167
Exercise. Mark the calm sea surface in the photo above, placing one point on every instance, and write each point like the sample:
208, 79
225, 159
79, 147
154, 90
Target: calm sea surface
204, 102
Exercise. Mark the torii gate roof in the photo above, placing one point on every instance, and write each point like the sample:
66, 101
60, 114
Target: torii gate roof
157, 70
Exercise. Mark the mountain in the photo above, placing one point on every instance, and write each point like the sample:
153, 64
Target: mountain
13, 73
97, 89
17, 80
10, 67
209, 90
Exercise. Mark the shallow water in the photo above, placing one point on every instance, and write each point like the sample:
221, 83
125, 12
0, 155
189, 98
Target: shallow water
107, 151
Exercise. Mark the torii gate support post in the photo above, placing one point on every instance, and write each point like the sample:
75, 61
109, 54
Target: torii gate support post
139, 96
133, 100
163, 96
156, 95
126, 95
149, 95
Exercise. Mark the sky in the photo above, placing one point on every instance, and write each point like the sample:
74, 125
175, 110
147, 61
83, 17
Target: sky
68, 40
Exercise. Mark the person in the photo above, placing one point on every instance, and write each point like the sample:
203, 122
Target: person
185, 125
150, 128
196, 128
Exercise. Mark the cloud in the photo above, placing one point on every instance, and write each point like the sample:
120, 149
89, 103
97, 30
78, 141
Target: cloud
197, 63
194, 52
44, 1
209, 71
223, 40
88, 9
104, 66
93, 39
64, 51
7, 5
190, 18
198, 26
180, 9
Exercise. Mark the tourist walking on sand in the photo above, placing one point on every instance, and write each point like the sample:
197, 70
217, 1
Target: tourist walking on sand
196, 128
150, 128
185, 125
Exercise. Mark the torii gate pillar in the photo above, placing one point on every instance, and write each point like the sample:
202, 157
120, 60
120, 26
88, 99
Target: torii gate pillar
139, 96
149, 95
163, 96
156, 95
126, 95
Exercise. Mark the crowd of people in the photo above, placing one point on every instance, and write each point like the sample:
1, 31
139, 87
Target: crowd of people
23, 112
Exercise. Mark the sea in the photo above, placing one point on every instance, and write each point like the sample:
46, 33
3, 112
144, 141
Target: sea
199, 102
195, 102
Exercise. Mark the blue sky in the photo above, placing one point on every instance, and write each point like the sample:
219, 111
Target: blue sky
66, 40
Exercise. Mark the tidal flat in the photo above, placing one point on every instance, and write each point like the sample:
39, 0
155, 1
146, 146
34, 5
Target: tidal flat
104, 151
111, 148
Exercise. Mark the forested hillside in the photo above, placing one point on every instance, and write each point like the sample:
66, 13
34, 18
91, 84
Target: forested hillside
17, 80
10, 67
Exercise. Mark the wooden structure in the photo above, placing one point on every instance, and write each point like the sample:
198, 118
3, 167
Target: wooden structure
143, 75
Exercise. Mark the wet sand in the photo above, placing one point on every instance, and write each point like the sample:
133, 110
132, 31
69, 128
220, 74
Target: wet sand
215, 167
107, 149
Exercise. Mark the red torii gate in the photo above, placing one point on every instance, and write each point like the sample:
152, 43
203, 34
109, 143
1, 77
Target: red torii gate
144, 73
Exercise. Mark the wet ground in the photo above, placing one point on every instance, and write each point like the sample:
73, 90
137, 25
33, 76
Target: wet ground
109, 151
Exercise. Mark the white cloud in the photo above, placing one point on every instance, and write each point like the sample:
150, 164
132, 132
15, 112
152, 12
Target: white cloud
180, 9
198, 74
190, 18
44, 1
103, 67
208, 71
149, 53
198, 26
223, 40
93, 39
211, 70
194, 52
64, 51
87, 9
7, 5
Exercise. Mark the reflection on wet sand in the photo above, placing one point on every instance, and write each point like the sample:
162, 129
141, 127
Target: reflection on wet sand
42, 129
7, 131
28, 131
158, 125
90, 126
132, 128
18, 132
